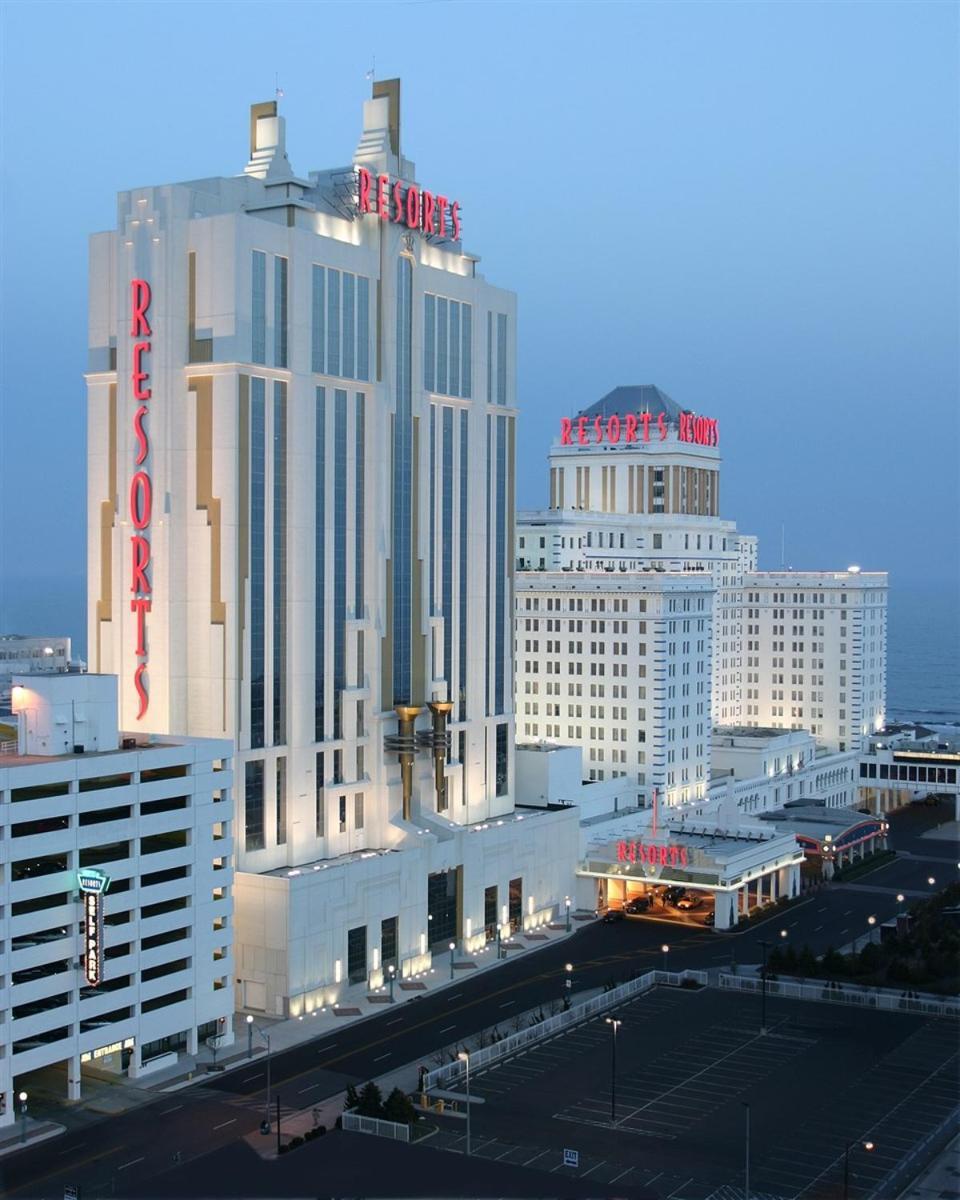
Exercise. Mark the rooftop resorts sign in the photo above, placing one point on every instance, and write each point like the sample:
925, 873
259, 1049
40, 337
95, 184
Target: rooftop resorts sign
406, 204
617, 430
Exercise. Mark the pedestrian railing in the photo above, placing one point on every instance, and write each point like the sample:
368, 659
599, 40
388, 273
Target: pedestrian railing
829, 992
452, 1072
394, 1130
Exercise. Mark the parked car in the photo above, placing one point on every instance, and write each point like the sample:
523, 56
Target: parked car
710, 918
690, 900
674, 894
638, 904
611, 915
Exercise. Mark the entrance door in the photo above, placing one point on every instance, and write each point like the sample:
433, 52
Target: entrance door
515, 907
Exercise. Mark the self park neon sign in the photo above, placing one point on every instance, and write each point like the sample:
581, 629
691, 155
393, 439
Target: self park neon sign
141, 486
637, 427
653, 856
407, 205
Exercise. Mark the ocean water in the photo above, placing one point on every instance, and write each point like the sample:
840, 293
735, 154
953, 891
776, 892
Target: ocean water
923, 652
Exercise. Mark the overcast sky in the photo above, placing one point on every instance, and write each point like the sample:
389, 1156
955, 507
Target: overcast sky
753, 206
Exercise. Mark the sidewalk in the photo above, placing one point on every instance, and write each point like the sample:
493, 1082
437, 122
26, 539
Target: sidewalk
12, 1139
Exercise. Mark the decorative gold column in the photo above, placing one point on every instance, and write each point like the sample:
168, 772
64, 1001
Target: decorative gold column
405, 745
440, 744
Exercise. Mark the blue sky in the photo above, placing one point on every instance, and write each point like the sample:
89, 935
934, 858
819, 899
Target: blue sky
754, 206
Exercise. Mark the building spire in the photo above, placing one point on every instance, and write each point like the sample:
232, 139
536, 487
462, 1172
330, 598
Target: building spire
268, 151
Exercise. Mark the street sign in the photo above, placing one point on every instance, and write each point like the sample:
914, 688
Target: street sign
571, 1158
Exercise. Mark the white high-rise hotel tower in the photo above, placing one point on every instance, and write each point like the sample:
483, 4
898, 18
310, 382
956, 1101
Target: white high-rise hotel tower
301, 514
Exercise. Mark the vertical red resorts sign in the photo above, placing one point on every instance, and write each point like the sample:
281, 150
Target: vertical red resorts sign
141, 485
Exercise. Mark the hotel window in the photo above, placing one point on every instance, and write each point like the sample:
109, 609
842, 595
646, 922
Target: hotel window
340, 323
447, 346
281, 801
342, 814
279, 563
319, 822
253, 806
320, 526
402, 484
339, 557
257, 560
358, 810
279, 312
463, 552
357, 954
258, 308
388, 942
502, 781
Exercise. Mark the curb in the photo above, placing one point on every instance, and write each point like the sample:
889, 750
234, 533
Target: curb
13, 1147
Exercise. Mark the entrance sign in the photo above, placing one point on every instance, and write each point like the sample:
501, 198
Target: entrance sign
653, 855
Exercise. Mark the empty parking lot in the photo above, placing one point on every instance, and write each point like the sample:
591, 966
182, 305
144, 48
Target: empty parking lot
687, 1064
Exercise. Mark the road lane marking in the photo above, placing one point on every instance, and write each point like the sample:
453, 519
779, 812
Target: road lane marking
247, 1080
455, 996
232, 1121
448, 1028
308, 1089
818, 928
383, 1056
132, 1163
396, 1022
508, 1003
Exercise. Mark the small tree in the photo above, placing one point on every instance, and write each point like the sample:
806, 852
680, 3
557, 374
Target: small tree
370, 1101
398, 1107
352, 1099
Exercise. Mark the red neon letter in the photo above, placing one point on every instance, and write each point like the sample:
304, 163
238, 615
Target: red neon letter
683, 856
141, 560
140, 434
413, 207
613, 429
397, 203
141, 500
428, 212
631, 428
140, 607
455, 214
139, 374
645, 421
382, 181
141, 689
566, 428
674, 856
663, 856
363, 197
442, 205
140, 302
662, 426
582, 430
598, 429
621, 851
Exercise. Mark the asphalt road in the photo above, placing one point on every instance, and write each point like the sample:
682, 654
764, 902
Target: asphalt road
134, 1147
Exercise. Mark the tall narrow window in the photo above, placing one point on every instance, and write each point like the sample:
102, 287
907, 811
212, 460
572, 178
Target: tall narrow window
359, 513
319, 797
363, 327
253, 805
466, 357
454, 382
402, 487
279, 563
501, 358
257, 564
339, 556
429, 342
446, 559
502, 763
358, 810
318, 324
463, 551
432, 571
333, 322
500, 572
347, 369
258, 309
489, 358
279, 312
281, 801
320, 527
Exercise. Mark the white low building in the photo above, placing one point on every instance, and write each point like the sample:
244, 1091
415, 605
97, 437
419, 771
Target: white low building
116, 890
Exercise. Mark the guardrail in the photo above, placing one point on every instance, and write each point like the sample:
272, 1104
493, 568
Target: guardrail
379, 1128
828, 992
452, 1072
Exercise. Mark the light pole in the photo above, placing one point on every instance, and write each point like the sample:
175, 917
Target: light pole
868, 1146
614, 1026
765, 946
393, 974
664, 950
465, 1059
566, 901
453, 947
567, 985
251, 1025
746, 1151
23, 1113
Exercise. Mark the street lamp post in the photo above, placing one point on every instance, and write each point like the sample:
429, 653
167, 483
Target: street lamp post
567, 985
566, 901
23, 1113
664, 950
453, 947
614, 1026
764, 946
465, 1059
392, 970
251, 1025
746, 1151
868, 1146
